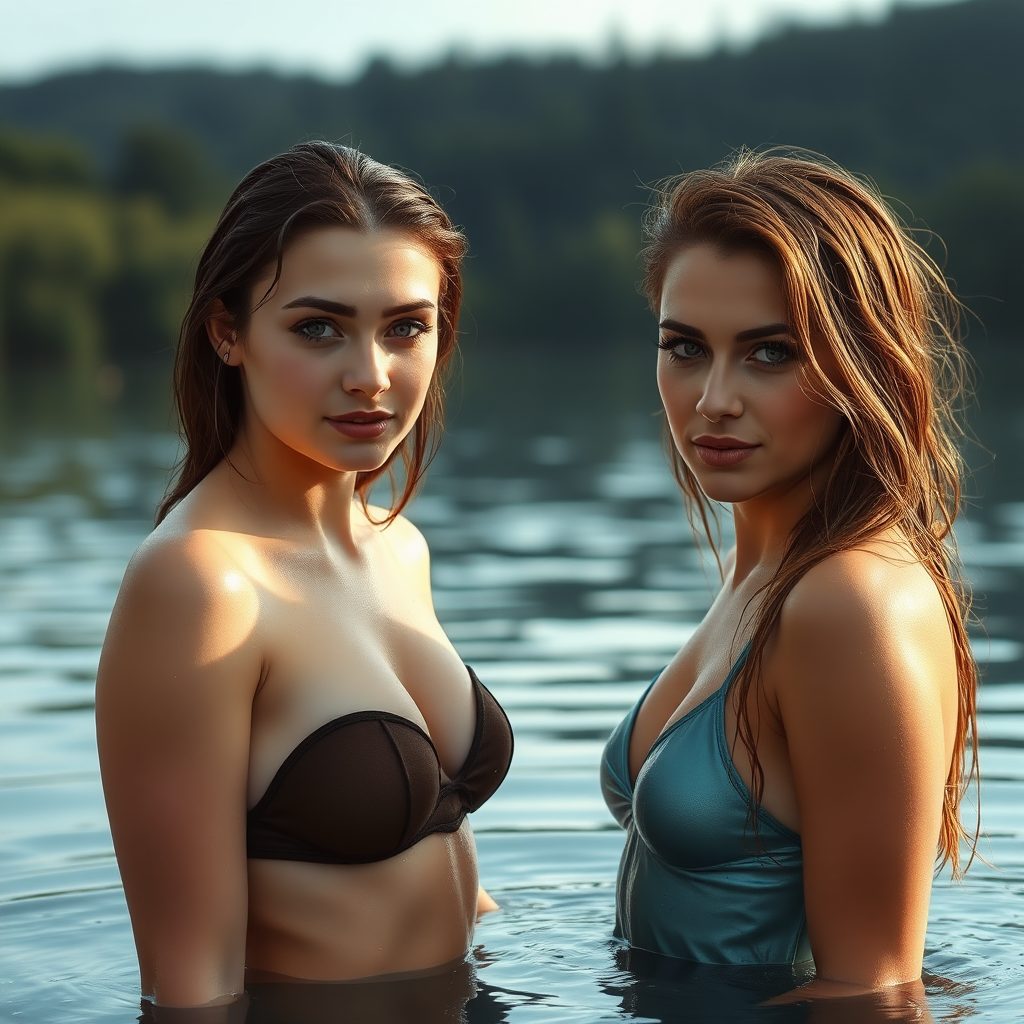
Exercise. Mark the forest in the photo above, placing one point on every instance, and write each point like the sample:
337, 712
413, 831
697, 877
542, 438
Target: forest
111, 179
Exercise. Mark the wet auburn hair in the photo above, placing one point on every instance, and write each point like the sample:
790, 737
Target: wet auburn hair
855, 281
313, 185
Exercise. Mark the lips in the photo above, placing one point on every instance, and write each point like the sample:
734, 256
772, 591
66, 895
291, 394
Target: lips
361, 426
722, 452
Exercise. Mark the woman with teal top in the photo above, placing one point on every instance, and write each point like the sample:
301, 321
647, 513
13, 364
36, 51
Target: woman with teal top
787, 781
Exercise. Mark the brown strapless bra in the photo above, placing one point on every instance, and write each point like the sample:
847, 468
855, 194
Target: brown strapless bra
366, 786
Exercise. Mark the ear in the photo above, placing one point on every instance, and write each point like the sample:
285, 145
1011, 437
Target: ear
222, 334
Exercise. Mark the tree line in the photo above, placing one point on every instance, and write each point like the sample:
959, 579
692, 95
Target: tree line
95, 267
110, 180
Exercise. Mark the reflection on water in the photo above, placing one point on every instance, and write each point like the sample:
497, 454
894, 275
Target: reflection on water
450, 995
564, 572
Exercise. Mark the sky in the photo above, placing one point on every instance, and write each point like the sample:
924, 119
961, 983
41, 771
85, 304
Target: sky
334, 39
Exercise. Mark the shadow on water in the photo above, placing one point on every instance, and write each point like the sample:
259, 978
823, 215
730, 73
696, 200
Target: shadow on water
660, 988
671, 991
453, 996
648, 987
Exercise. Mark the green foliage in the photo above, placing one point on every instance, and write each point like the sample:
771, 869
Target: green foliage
44, 161
165, 166
86, 275
56, 252
143, 305
979, 214
545, 163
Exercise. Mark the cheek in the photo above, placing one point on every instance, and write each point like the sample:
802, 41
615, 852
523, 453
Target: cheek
796, 415
676, 392
286, 389
680, 394
414, 373
291, 373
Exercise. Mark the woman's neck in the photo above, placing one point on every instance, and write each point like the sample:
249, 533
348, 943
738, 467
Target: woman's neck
291, 493
764, 524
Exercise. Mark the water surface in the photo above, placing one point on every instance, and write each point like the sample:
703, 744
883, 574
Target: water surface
564, 572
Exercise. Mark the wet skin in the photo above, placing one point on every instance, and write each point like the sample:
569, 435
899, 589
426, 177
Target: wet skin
265, 605
862, 659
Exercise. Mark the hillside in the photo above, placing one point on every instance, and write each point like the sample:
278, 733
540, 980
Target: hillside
543, 162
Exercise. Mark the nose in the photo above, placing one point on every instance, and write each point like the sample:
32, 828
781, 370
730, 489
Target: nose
366, 370
721, 396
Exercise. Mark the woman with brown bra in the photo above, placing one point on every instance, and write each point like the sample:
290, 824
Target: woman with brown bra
289, 742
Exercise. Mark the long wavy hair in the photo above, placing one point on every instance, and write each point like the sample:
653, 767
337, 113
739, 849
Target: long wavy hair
856, 282
312, 185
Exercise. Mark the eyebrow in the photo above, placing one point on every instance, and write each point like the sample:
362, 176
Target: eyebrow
345, 310
763, 332
768, 331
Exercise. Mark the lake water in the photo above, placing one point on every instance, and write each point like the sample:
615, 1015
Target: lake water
565, 574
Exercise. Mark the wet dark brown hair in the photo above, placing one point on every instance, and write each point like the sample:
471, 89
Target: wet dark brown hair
312, 185
857, 282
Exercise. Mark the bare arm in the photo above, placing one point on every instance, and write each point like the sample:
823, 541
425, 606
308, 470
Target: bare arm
174, 696
864, 675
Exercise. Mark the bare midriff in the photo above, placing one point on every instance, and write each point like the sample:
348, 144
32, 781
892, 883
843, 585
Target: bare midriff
333, 922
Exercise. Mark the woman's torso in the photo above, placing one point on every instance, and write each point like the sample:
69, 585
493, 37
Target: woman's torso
693, 881
700, 670
340, 633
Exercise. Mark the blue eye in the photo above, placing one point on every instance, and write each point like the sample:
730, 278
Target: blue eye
774, 353
409, 329
316, 330
681, 348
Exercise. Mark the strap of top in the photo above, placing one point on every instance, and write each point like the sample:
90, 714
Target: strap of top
616, 785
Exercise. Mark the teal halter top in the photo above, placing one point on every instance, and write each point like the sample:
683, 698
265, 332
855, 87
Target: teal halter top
692, 882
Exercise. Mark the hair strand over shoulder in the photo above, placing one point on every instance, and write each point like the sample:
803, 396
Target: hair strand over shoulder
857, 283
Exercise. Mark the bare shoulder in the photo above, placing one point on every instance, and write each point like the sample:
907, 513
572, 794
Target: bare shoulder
186, 603
864, 620
202, 570
409, 549
860, 589
407, 542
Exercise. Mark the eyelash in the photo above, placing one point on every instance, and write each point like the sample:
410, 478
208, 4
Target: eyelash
423, 328
300, 329
671, 345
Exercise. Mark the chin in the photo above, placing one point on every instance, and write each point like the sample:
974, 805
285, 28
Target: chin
730, 489
366, 461
728, 495
735, 491
368, 465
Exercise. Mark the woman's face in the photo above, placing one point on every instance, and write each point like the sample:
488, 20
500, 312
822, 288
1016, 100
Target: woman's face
731, 380
337, 362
